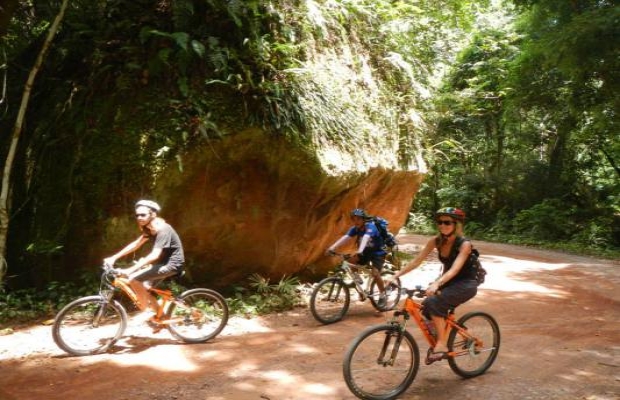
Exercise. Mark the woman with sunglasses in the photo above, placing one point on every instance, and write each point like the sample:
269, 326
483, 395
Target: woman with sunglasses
457, 282
165, 259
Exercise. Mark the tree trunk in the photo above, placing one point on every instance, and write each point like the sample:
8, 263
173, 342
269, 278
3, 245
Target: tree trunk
17, 129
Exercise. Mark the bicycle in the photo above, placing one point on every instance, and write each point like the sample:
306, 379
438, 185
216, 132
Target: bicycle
92, 324
383, 360
331, 297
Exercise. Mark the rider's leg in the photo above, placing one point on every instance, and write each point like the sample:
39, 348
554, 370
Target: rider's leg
442, 335
438, 305
138, 280
377, 262
377, 276
145, 299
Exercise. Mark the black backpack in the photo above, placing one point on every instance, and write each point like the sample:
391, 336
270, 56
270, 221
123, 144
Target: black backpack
475, 263
382, 226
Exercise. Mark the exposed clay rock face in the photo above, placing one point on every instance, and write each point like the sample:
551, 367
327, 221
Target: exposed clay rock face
253, 203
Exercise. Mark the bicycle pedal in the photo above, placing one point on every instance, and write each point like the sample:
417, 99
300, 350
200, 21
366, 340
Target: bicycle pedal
155, 325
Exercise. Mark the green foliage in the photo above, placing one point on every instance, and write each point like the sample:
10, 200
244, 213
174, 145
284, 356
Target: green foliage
23, 305
526, 129
421, 223
265, 297
550, 219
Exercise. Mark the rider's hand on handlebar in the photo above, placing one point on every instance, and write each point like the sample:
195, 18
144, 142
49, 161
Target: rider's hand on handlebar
432, 289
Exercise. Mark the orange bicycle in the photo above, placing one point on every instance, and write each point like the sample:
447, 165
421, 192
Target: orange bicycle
92, 324
383, 360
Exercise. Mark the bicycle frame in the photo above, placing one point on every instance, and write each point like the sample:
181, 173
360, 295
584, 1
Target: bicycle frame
349, 269
123, 284
413, 309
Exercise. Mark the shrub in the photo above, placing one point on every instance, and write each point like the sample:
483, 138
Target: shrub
549, 220
264, 297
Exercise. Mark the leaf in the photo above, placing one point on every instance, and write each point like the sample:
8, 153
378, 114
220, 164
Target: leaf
181, 39
146, 32
198, 48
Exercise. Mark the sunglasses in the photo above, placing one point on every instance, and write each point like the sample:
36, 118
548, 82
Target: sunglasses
141, 215
444, 222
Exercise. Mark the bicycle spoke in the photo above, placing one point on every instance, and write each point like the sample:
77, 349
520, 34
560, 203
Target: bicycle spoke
330, 300
381, 363
198, 315
475, 350
88, 326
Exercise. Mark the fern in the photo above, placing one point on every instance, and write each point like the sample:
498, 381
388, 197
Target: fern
182, 13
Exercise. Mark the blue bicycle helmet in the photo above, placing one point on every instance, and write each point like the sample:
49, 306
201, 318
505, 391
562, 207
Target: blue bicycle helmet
359, 212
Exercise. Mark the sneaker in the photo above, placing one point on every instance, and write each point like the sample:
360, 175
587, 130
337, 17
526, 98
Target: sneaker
382, 302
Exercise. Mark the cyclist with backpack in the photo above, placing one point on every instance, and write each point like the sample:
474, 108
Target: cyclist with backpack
457, 283
370, 247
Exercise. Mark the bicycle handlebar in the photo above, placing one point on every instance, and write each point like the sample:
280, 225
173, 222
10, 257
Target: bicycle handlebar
343, 255
109, 269
417, 292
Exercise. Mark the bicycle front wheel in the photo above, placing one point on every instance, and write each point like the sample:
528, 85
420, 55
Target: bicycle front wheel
477, 349
89, 325
197, 315
330, 300
392, 294
381, 362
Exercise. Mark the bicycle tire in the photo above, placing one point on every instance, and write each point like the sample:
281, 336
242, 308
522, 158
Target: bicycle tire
472, 360
202, 314
367, 372
89, 325
392, 298
330, 300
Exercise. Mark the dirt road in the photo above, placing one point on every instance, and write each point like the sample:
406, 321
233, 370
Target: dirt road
559, 317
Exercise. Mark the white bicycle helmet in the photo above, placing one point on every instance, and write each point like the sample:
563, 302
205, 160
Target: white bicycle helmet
150, 204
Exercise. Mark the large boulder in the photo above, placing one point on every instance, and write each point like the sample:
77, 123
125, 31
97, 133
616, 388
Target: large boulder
255, 203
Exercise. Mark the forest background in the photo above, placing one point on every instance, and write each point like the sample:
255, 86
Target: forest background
518, 105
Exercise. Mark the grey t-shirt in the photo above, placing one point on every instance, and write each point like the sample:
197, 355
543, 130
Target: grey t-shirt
169, 242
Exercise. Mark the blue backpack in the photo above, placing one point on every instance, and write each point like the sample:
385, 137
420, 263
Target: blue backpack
382, 226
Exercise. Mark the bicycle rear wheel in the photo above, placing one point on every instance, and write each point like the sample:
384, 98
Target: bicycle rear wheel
381, 362
475, 354
330, 300
198, 315
89, 325
392, 295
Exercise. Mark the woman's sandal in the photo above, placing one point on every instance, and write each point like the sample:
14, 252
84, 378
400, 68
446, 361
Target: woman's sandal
433, 356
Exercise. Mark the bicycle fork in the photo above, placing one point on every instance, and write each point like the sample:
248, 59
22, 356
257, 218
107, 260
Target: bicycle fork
106, 298
395, 337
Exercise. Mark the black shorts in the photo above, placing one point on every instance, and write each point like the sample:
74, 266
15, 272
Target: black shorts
375, 260
156, 273
449, 297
